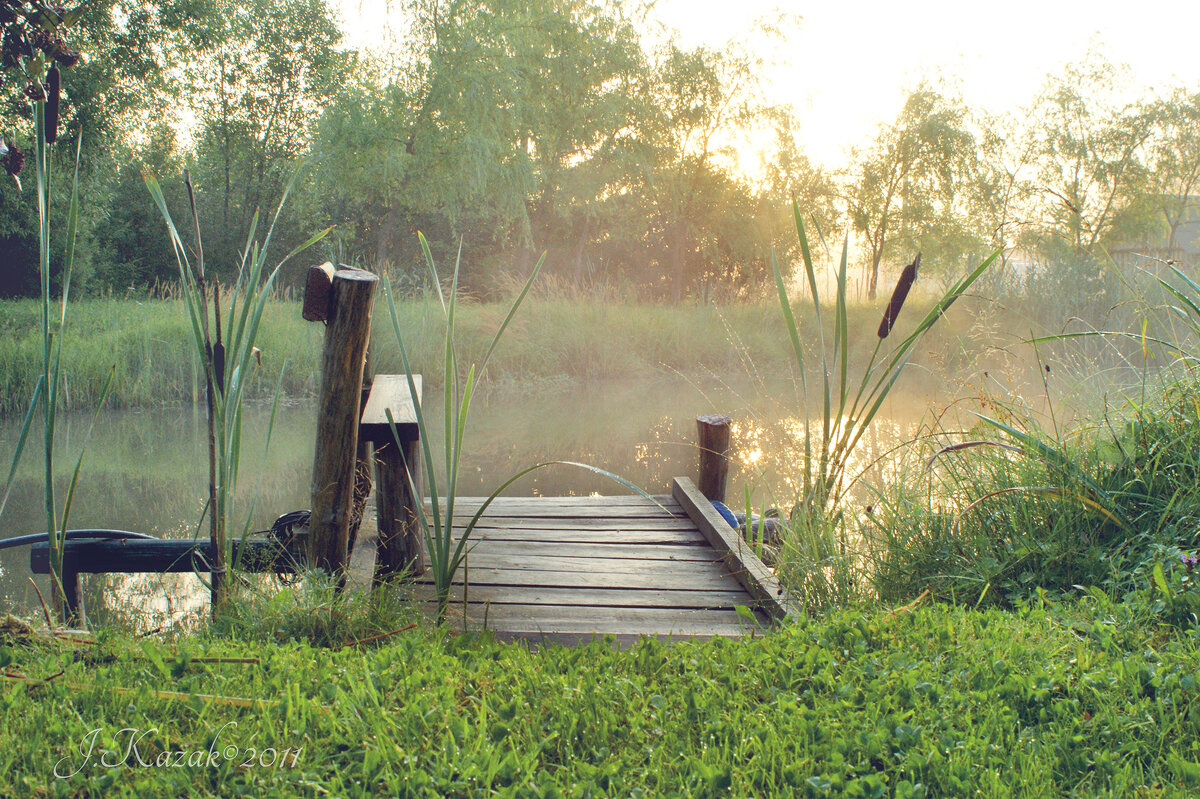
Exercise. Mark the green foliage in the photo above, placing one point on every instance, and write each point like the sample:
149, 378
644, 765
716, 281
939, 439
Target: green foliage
818, 558
30, 55
934, 702
228, 355
1035, 509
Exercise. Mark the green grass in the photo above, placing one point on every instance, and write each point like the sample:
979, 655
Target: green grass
551, 339
1046, 701
1038, 504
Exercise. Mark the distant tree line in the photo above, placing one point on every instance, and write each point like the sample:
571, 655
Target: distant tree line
518, 127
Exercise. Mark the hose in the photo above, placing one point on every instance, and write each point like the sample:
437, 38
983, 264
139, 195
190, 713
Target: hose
41, 538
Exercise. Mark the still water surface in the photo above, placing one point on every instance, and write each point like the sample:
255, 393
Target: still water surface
146, 471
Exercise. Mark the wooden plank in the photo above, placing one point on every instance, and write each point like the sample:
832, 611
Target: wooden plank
390, 392
534, 510
651, 552
690, 537
574, 618
709, 579
460, 521
635, 500
135, 555
544, 562
591, 597
740, 558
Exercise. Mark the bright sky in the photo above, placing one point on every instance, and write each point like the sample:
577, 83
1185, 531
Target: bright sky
849, 63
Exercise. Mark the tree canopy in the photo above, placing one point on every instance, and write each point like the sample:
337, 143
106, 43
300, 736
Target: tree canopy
558, 126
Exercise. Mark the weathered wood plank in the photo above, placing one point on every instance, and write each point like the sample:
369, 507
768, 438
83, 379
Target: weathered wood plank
390, 392
608, 499
627, 621
741, 560
573, 523
498, 559
710, 579
483, 547
535, 508
592, 597
690, 537
579, 617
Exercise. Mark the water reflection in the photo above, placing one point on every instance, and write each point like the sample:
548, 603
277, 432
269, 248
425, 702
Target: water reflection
147, 471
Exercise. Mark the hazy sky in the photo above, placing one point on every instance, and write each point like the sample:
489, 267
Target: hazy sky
847, 65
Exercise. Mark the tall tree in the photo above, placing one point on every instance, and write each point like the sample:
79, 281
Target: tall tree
267, 69
1090, 151
911, 182
1174, 174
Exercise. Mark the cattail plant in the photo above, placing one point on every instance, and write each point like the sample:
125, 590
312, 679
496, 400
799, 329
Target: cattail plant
229, 361
899, 295
30, 41
818, 557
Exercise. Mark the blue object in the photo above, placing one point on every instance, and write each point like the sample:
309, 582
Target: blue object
726, 513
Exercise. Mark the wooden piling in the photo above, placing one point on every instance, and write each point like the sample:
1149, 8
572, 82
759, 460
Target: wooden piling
401, 547
713, 441
73, 598
347, 335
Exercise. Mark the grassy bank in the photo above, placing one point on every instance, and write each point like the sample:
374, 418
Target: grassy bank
1046, 701
550, 339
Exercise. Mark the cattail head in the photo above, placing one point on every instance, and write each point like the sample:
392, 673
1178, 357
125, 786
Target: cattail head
11, 158
899, 295
52, 92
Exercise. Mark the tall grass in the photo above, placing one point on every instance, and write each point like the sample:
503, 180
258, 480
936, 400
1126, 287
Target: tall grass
1027, 502
228, 361
42, 73
550, 341
818, 555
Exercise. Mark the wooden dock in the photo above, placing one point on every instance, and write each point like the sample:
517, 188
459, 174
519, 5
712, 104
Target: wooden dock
561, 569
567, 569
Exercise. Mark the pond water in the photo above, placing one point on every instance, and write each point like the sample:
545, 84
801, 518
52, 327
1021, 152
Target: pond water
146, 471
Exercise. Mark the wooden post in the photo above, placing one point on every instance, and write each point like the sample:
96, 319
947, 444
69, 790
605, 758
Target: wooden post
362, 458
401, 546
713, 440
338, 405
400, 549
73, 597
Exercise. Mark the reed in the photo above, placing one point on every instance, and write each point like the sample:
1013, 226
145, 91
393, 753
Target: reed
818, 558
446, 552
228, 355
36, 65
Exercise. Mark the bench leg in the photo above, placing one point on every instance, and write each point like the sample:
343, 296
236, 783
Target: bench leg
400, 548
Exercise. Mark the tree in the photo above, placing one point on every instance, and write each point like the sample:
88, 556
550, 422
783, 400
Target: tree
265, 70
1089, 154
1174, 173
910, 184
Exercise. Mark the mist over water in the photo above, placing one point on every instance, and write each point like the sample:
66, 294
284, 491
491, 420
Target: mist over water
146, 471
